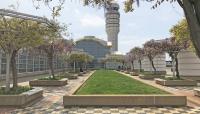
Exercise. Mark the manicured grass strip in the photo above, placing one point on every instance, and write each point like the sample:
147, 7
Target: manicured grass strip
110, 82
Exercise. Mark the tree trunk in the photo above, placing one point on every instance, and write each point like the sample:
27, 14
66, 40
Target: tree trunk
152, 64
140, 62
132, 64
14, 69
74, 66
8, 57
50, 60
177, 71
192, 12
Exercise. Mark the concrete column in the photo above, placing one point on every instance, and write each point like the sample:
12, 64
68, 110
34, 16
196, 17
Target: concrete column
17, 62
159, 63
189, 65
26, 62
0, 61
33, 63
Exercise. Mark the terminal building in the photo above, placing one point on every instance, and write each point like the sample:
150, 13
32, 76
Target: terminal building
94, 46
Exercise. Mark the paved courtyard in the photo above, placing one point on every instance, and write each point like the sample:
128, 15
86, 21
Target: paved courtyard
52, 104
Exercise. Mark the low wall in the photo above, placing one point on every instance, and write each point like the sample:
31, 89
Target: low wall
176, 82
124, 100
48, 82
21, 100
197, 92
150, 77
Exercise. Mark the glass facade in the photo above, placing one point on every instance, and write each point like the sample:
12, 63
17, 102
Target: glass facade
27, 62
95, 47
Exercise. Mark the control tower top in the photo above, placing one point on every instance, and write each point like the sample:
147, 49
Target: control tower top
112, 6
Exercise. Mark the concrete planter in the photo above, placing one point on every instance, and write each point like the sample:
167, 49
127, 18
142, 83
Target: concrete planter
61, 82
70, 76
175, 82
23, 99
127, 72
80, 74
84, 72
134, 74
150, 77
124, 100
197, 92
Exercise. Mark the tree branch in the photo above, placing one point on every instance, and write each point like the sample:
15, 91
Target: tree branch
180, 3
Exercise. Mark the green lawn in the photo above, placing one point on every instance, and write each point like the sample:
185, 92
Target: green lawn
111, 82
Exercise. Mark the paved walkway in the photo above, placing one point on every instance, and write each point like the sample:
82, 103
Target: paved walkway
52, 104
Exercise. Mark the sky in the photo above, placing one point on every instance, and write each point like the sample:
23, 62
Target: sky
136, 27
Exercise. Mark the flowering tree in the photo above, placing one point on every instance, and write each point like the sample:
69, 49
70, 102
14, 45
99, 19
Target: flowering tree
151, 49
54, 43
139, 53
131, 58
51, 48
15, 35
173, 46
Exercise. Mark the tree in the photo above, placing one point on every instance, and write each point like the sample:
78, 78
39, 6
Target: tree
116, 58
79, 57
103, 61
139, 53
88, 59
51, 48
131, 58
173, 46
152, 48
15, 35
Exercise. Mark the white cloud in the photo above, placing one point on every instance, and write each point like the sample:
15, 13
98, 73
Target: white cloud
89, 20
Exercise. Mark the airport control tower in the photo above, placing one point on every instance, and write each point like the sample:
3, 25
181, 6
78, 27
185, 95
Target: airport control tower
112, 24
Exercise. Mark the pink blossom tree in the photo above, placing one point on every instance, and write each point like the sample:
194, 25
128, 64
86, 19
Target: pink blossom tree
152, 48
139, 53
173, 46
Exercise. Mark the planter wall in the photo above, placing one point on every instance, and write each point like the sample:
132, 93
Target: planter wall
80, 74
70, 76
124, 100
48, 82
21, 100
176, 82
134, 74
150, 77
197, 92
